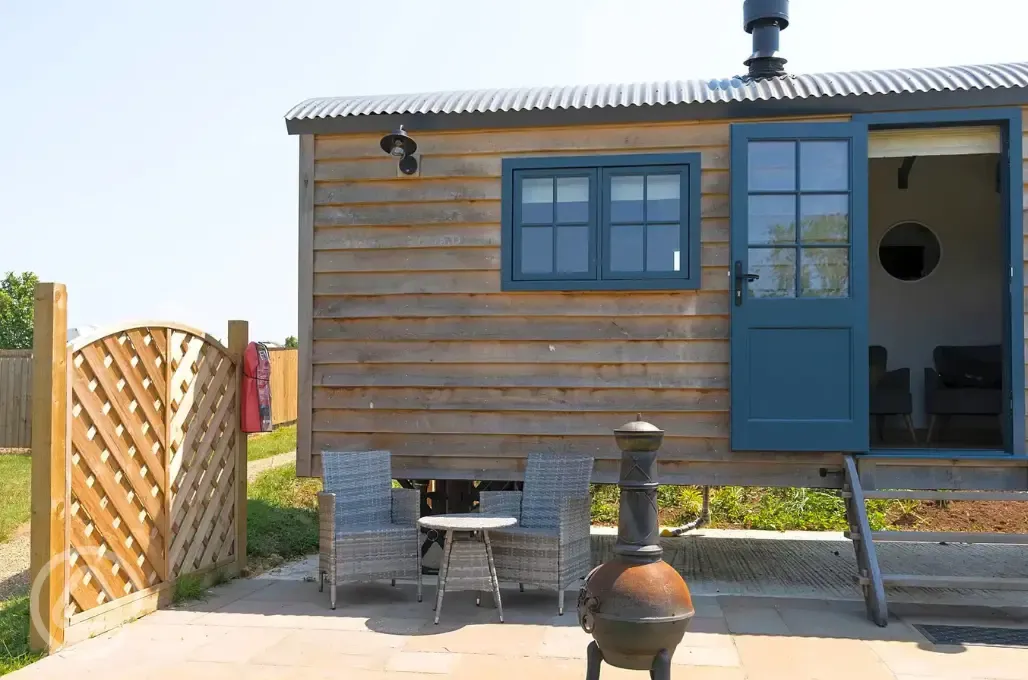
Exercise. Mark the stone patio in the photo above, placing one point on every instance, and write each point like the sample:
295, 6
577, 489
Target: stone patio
768, 606
280, 626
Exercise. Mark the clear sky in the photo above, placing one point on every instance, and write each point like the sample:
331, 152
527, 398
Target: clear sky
144, 161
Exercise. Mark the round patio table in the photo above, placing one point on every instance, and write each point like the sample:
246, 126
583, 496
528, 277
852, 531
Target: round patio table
467, 561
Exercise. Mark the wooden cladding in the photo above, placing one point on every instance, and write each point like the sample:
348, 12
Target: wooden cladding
414, 347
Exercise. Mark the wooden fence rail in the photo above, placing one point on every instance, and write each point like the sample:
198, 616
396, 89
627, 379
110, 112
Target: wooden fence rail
16, 398
283, 384
139, 468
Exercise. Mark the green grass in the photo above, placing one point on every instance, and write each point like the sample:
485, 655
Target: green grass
15, 491
282, 440
188, 587
14, 635
776, 509
282, 517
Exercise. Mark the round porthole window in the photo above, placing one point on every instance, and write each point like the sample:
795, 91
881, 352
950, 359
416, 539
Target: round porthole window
909, 251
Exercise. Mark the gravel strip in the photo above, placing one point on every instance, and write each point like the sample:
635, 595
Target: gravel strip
14, 564
255, 467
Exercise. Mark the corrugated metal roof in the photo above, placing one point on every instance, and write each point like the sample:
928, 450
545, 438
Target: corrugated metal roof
847, 84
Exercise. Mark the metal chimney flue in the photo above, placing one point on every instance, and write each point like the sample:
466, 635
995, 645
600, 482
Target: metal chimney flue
765, 20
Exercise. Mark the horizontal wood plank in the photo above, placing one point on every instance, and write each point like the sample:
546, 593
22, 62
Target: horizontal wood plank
549, 328
451, 212
466, 351
463, 212
383, 167
395, 283
549, 140
525, 374
407, 259
712, 230
503, 400
409, 190
480, 303
947, 495
494, 447
695, 424
449, 259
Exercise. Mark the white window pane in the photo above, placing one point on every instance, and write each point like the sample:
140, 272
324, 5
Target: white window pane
537, 200
572, 199
772, 219
825, 272
572, 250
772, 166
825, 166
663, 193
626, 198
662, 247
776, 272
536, 250
825, 218
626, 248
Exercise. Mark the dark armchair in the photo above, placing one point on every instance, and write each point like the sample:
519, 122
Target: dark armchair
890, 392
965, 381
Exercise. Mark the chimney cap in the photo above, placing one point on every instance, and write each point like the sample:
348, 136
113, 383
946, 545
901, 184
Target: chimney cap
754, 11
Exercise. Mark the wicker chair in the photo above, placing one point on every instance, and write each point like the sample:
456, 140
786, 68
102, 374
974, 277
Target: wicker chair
368, 530
550, 546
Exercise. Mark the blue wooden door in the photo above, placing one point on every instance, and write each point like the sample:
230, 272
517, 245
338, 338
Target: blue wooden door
799, 272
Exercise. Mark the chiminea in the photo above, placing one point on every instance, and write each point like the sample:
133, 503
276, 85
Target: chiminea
636, 606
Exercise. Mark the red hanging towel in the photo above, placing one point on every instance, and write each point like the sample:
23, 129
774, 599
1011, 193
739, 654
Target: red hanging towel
256, 389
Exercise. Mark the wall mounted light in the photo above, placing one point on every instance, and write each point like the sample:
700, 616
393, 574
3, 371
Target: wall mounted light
400, 145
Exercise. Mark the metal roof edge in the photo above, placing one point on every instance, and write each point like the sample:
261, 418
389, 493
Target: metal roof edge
664, 113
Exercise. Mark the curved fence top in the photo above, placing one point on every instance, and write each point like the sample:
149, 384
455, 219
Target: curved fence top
83, 340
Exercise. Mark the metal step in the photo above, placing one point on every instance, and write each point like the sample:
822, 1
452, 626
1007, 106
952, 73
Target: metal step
948, 537
965, 582
912, 495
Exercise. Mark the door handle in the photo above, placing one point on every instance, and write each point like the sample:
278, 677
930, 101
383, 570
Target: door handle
741, 279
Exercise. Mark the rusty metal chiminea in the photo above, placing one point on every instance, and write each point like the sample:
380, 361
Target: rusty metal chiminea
636, 606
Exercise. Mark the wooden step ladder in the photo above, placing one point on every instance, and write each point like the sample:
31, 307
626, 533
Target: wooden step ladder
869, 575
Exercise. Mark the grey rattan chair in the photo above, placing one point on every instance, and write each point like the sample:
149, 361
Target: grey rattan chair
368, 529
550, 546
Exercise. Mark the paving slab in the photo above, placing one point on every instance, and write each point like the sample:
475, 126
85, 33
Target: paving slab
751, 622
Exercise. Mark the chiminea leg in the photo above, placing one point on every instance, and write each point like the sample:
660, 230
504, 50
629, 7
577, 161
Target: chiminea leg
593, 657
661, 669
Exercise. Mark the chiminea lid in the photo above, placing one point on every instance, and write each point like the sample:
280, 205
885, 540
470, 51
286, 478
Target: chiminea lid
637, 426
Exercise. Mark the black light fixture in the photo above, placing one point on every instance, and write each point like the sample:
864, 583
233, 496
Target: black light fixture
400, 145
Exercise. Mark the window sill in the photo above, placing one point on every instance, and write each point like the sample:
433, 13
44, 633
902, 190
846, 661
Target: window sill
610, 284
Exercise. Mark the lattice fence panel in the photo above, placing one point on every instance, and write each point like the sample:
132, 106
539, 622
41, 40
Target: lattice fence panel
118, 518
202, 450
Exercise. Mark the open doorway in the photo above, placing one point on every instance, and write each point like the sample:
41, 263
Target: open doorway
937, 296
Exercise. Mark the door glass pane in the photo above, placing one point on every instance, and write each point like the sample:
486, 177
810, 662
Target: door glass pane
772, 166
824, 166
536, 250
663, 252
572, 249
824, 272
626, 248
537, 201
626, 198
772, 219
572, 199
825, 218
776, 268
662, 198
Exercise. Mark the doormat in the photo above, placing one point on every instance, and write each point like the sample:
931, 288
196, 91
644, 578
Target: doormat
974, 635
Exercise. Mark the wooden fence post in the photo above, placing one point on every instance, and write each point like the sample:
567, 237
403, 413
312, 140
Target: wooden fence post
238, 338
50, 492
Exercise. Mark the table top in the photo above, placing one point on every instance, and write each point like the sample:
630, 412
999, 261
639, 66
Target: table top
467, 521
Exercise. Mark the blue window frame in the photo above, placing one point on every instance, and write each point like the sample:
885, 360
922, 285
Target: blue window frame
622, 222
